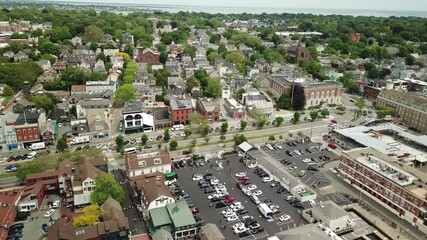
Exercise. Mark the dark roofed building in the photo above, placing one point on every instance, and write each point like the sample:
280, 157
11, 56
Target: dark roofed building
180, 111
299, 52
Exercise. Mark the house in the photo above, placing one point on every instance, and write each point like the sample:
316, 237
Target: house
135, 119
113, 224
44, 64
234, 109
32, 197
264, 108
180, 111
99, 67
20, 57
152, 191
148, 55
101, 86
226, 92
333, 216
208, 108
49, 132
117, 62
9, 199
27, 127
111, 52
174, 216
211, 231
145, 93
128, 38
76, 41
137, 164
251, 97
98, 121
48, 76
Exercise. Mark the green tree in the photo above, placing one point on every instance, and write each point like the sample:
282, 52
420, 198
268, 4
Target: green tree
213, 89
107, 186
50, 57
173, 145
15, 47
324, 112
48, 47
187, 132
239, 93
284, 102
313, 115
222, 137
224, 127
61, 145
144, 139
197, 122
261, 122
166, 135
205, 130
290, 134
124, 93
243, 125
207, 139
29, 168
90, 215
93, 33
410, 60
297, 117
192, 83
271, 138
8, 91
238, 139
120, 142
45, 101
300, 134
279, 121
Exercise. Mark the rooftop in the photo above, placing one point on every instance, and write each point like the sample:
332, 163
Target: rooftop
8, 200
179, 104
147, 159
306, 232
133, 107
180, 214
404, 98
209, 104
330, 210
160, 217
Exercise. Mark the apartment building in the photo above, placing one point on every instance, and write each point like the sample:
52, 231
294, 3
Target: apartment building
411, 109
396, 186
138, 164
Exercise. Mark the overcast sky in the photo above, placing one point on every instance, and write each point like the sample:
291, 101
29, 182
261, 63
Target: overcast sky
397, 5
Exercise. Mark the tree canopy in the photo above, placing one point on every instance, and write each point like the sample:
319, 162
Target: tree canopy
124, 93
107, 186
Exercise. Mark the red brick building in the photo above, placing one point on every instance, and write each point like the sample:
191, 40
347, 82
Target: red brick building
355, 37
180, 111
149, 55
371, 92
208, 108
27, 133
299, 52
395, 186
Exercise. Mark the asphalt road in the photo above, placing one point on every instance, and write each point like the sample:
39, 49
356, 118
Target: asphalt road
227, 176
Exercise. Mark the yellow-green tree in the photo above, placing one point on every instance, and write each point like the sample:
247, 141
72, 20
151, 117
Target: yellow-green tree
90, 216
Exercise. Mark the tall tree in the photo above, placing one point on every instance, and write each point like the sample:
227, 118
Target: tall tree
61, 145
166, 135
224, 127
107, 186
124, 93
279, 121
144, 139
313, 115
93, 33
213, 88
90, 215
297, 117
173, 145
120, 141
243, 124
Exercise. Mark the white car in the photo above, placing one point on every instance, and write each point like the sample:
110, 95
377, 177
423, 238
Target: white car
49, 213
257, 193
3, 160
221, 145
227, 211
293, 168
251, 187
307, 160
269, 146
247, 192
238, 208
284, 218
237, 225
56, 204
279, 146
197, 178
213, 196
232, 218
214, 182
333, 170
239, 229
236, 204
267, 179
250, 166
241, 174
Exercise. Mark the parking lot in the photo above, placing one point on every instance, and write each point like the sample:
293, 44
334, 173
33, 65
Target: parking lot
302, 160
227, 177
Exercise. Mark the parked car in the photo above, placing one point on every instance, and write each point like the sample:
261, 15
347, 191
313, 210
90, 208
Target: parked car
331, 145
220, 204
284, 218
21, 216
56, 204
229, 199
45, 227
267, 179
49, 213
333, 170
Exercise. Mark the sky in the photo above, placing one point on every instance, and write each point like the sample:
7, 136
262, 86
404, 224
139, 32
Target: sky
388, 5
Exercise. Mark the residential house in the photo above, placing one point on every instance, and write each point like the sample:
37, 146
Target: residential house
78, 89
128, 38
180, 111
20, 57
44, 64
145, 93
174, 216
76, 41
148, 55
9, 199
135, 119
253, 96
49, 132
117, 62
137, 164
99, 67
48, 76
264, 108
208, 108
152, 191
176, 86
113, 224
111, 52
32, 197
234, 109
101, 86
263, 65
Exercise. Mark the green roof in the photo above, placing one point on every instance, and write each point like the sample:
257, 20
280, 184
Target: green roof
180, 214
160, 217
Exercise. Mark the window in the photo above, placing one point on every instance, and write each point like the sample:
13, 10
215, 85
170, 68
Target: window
19, 131
24, 131
29, 130
157, 161
31, 137
35, 130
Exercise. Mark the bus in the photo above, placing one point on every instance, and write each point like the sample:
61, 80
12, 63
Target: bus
266, 211
130, 150
178, 127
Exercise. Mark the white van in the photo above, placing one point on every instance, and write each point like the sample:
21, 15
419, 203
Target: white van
255, 199
32, 154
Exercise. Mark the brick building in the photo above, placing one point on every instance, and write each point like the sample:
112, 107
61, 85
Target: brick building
394, 185
149, 55
411, 109
180, 111
371, 92
299, 52
8, 200
208, 108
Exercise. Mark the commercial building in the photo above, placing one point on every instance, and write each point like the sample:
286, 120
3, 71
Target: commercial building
333, 216
306, 232
180, 111
234, 109
396, 186
138, 164
208, 108
135, 119
8, 199
148, 55
412, 110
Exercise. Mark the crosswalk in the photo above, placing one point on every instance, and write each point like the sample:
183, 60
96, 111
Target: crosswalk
211, 156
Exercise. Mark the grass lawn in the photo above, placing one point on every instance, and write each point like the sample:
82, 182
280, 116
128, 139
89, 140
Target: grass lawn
6, 100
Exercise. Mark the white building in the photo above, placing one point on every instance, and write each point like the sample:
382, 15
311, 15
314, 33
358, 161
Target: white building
332, 215
138, 164
135, 119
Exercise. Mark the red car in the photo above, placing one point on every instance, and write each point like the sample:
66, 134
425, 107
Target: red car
195, 211
331, 145
244, 178
229, 199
